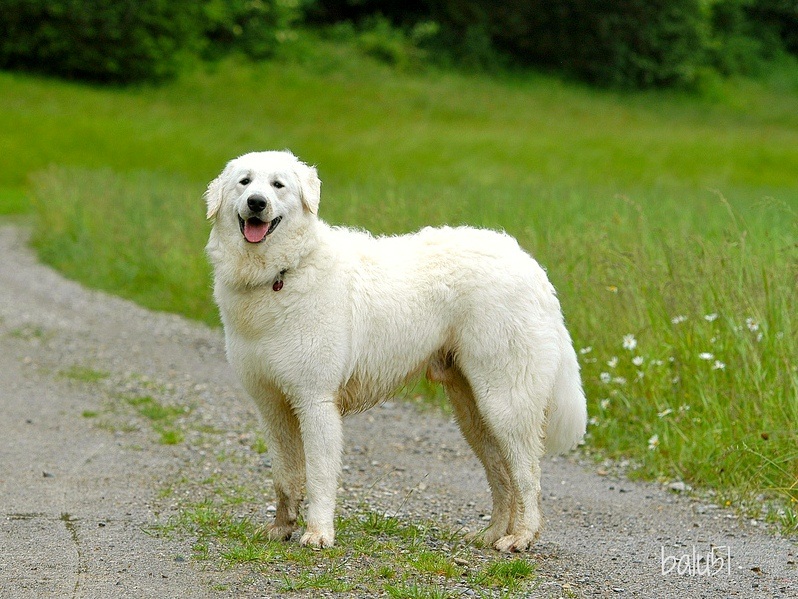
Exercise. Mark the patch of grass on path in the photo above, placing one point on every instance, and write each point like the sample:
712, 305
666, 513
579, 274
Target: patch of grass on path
374, 554
84, 374
162, 417
127, 412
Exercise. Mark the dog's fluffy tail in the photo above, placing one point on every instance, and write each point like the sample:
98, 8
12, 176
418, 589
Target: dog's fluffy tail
567, 409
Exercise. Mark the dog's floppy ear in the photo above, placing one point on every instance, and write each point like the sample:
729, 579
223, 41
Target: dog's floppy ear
213, 195
309, 187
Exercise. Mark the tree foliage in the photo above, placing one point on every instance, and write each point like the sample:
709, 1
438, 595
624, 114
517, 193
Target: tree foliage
632, 43
629, 43
121, 41
252, 27
133, 40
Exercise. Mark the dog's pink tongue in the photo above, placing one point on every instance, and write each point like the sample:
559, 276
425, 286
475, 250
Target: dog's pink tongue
255, 230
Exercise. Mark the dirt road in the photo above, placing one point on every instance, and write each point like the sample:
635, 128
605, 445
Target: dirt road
77, 499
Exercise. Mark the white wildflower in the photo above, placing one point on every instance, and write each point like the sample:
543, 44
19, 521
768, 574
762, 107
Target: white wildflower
658, 362
629, 342
711, 317
593, 421
586, 350
612, 362
678, 319
640, 374
718, 365
706, 356
759, 337
653, 442
665, 412
637, 360
684, 408
605, 377
605, 403
619, 380
752, 325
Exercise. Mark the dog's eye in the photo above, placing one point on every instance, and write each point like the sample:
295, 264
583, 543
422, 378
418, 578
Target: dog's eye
278, 185
245, 181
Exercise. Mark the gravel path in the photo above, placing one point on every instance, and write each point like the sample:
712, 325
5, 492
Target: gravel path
77, 498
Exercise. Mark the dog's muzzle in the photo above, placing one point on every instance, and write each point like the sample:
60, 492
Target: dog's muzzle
254, 228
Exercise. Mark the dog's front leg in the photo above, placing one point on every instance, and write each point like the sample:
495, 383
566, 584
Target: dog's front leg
322, 436
288, 464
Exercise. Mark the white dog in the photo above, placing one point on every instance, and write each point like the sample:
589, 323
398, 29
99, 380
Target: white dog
325, 321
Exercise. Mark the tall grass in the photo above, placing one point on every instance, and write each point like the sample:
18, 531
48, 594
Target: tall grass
139, 236
666, 221
696, 354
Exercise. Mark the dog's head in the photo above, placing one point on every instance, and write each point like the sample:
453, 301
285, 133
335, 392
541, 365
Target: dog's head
258, 192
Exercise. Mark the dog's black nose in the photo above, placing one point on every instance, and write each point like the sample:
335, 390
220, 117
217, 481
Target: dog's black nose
256, 203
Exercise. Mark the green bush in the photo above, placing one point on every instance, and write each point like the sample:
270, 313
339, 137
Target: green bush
400, 12
748, 33
97, 40
772, 25
736, 47
377, 37
640, 43
252, 27
627, 43
776, 18
131, 40
401, 31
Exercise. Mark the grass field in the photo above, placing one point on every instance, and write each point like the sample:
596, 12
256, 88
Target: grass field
668, 223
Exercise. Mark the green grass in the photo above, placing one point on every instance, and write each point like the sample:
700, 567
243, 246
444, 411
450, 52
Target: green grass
29, 333
165, 420
12, 201
152, 409
258, 445
507, 574
84, 374
644, 208
162, 418
374, 555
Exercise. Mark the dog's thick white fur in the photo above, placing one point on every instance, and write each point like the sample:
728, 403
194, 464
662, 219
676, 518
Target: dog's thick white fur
323, 321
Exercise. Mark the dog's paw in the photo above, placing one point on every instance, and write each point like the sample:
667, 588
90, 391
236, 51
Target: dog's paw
318, 539
485, 537
277, 532
514, 543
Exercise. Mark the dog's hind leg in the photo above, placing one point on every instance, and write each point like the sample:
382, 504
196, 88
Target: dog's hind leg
443, 370
518, 433
284, 443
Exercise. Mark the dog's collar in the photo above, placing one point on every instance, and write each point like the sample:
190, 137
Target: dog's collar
278, 281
